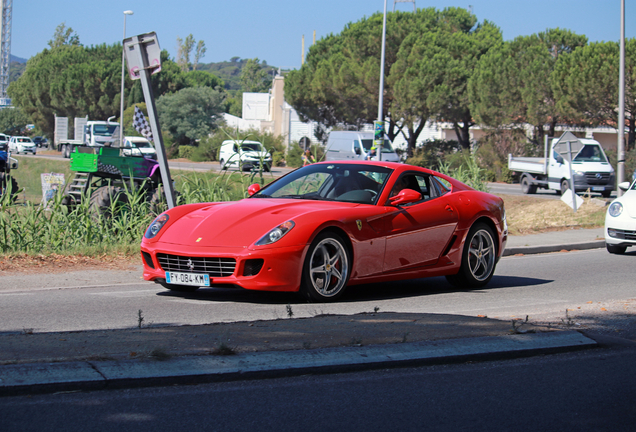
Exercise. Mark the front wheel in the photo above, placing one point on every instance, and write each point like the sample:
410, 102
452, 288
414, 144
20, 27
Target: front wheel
478, 259
615, 249
223, 166
327, 268
565, 185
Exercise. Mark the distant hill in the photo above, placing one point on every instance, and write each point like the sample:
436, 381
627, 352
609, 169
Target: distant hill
13, 58
230, 71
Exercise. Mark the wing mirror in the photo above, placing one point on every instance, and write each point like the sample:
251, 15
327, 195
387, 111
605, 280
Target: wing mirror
253, 188
406, 196
624, 186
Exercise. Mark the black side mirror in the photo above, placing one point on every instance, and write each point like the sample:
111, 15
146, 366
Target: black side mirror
559, 159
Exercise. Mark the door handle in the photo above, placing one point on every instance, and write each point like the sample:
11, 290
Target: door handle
449, 208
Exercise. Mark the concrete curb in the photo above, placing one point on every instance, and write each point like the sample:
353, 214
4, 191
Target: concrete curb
528, 250
55, 377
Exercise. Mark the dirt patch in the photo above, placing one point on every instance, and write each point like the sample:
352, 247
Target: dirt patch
54, 263
529, 215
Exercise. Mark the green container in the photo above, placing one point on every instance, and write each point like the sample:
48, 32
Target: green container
108, 160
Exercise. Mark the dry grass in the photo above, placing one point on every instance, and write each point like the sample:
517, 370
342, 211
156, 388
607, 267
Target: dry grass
529, 215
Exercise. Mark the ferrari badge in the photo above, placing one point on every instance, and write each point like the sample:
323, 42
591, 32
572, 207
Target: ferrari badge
359, 223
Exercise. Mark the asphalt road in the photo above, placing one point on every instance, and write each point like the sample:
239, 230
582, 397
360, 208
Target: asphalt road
595, 287
593, 390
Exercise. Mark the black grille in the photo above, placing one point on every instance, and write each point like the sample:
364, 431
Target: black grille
148, 259
252, 267
622, 234
215, 267
597, 178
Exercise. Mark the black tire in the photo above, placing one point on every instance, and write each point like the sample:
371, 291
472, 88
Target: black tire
267, 168
223, 166
527, 187
158, 202
329, 257
606, 194
565, 186
615, 249
180, 288
7, 183
479, 259
107, 201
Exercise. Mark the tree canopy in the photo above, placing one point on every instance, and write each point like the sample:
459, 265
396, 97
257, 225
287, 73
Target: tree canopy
191, 113
430, 56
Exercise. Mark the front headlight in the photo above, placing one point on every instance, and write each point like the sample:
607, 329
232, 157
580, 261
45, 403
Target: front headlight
275, 234
579, 173
615, 209
156, 226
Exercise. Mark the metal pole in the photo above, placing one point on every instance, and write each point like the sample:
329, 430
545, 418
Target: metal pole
123, 68
620, 146
381, 96
571, 176
154, 126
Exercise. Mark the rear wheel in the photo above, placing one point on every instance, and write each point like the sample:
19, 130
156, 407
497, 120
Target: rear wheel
527, 187
478, 259
615, 249
8, 185
327, 268
223, 166
107, 201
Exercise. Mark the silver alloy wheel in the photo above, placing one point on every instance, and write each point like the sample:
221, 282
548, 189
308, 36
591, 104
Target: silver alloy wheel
481, 255
328, 267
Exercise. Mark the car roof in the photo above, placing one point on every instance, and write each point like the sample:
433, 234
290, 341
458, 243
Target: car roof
136, 138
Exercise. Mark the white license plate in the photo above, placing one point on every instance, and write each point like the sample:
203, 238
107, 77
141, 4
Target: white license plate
194, 279
598, 189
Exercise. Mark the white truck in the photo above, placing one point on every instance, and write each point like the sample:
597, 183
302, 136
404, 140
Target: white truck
90, 133
590, 167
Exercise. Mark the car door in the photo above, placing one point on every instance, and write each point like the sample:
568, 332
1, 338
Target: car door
417, 233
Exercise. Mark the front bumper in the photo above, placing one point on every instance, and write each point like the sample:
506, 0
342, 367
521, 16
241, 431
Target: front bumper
281, 269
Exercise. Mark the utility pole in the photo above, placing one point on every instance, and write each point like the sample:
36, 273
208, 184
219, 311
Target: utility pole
620, 147
5, 50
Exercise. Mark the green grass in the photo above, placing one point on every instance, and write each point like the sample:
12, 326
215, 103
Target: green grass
28, 227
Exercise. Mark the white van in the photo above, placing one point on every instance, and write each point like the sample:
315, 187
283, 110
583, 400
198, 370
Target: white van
244, 154
348, 145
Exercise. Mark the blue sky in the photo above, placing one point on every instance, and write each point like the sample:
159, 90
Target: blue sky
272, 30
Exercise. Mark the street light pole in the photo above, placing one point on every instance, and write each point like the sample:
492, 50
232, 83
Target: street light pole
381, 95
123, 67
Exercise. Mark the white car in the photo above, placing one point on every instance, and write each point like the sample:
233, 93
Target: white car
138, 146
22, 144
246, 155
620, 220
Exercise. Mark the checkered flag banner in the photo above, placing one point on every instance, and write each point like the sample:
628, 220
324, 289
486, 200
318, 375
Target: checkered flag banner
141, 124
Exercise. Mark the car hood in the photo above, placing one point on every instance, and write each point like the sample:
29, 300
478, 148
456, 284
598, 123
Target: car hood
241, 223
255, 155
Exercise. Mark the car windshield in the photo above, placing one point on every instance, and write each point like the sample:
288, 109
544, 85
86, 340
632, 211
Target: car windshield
251, 147
25, 140
590, 153
104, 130
138, 144
330, 182
368, 143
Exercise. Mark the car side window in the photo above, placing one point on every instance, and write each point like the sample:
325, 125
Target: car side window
441, 186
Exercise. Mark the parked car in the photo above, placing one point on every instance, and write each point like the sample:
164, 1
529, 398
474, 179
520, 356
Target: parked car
245, 155
328, 225
40, 141
22, 144
620, 220
138, 146
4, 139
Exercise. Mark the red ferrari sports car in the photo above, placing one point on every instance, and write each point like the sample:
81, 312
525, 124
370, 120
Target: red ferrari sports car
328, 225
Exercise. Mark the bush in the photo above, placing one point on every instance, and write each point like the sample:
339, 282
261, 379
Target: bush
186, 152
294, 156
429, 154
493, 149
